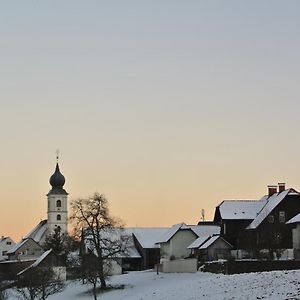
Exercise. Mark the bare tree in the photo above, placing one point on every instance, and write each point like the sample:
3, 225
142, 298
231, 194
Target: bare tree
39, 283
100, 234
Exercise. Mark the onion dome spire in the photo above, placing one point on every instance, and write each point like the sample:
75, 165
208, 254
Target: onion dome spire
57, 181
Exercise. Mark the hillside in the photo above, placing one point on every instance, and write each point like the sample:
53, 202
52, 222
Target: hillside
147, 285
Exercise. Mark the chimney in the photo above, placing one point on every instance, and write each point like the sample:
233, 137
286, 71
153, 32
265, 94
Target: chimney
281, 187
272, 189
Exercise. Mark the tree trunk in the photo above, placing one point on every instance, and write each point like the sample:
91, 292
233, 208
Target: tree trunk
95, 290
101, 273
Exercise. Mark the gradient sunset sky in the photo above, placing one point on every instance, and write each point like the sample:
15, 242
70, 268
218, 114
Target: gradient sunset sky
166, 107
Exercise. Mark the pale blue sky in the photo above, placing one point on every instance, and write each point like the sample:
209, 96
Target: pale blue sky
167, 107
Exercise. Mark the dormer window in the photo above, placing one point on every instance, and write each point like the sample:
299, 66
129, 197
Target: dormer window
58, 203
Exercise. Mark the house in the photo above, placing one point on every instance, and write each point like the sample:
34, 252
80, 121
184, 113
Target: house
118, 250
48, 260
175, 241
25, 250
145, 242
294, 223
210, 248
254, 225
6, 243
234, 216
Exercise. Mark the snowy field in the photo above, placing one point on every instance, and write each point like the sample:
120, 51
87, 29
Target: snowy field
147, 285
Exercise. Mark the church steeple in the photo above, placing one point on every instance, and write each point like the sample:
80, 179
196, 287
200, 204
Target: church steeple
57, 202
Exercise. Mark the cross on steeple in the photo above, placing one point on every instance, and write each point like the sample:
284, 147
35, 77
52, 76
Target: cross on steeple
57, 155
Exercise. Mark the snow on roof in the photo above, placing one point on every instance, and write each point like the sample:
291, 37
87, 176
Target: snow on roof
38, 232
201, 230
170, 232
293, 220
209, 242
147, 237
16, 247
271, 203
111, 235
37, 262
131, 251
199, 241
240, 209
3, 238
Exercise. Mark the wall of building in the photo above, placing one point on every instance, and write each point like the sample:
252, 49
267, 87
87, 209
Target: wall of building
5, 245
180, 266
177, 245
54, 211
296, 237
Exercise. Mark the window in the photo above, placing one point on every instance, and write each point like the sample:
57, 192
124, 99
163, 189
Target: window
4, 253
282, 216
58, 203
271, 219
58, 217
8, 243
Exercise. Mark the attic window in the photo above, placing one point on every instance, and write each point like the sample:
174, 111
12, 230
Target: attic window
271, 219
282, 217
8, 243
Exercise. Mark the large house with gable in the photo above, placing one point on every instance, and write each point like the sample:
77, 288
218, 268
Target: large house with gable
267, 223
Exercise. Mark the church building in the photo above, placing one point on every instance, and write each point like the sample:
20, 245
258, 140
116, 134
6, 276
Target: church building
57, 217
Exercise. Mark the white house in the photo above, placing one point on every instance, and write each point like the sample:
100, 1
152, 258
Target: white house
175, 241
6, 243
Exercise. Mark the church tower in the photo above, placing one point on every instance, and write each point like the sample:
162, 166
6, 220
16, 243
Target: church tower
57, 203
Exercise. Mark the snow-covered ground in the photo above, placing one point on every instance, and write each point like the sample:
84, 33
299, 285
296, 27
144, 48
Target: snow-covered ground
147, 285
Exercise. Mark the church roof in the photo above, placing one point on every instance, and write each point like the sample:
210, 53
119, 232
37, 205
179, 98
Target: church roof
38, 232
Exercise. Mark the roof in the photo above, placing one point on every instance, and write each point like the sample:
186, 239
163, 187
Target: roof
19, 245
3, 238
240, 209
38, 232
170, 232
37, 262
125, 248
294, 220
271, 203
199, 230
211, 240
147, 237
198, 242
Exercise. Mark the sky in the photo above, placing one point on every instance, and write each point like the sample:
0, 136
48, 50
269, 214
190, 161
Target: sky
165, 107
